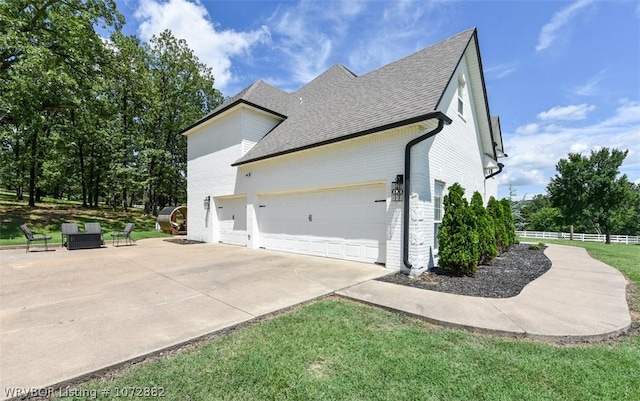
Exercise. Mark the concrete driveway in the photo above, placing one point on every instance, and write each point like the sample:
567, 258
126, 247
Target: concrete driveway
64, 313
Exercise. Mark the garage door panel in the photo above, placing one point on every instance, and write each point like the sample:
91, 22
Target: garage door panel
344, 223
318, 247
334, 250
353, 251
232, 220
371, 252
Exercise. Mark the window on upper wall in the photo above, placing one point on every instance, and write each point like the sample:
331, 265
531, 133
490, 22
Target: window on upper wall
461, 85
438, 209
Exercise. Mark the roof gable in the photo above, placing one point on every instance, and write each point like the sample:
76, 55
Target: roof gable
259, 95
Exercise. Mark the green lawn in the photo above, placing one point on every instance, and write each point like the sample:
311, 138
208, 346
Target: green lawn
47, 217
341, 350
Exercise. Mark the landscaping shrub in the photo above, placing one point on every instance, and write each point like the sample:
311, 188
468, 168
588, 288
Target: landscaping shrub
537, 247
457, 237
509, 226
487, 249
495, 210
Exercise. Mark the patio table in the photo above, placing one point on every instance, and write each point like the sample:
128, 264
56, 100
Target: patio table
84, 240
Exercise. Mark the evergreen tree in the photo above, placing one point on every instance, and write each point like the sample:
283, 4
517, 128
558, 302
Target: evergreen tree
487, 249
457, 237
496, 212
509, 227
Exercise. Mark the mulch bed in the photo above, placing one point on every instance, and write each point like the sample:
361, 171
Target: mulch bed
183, 241
504, 277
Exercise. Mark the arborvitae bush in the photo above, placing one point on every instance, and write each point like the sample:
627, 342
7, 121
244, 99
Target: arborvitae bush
509, 226
495, 210
457, 237
487, 249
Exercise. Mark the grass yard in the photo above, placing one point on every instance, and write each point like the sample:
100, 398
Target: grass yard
342, 350
47, 217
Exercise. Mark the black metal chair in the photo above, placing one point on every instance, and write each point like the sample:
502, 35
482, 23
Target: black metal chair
93, 228
31, 237
68, 228
126, 234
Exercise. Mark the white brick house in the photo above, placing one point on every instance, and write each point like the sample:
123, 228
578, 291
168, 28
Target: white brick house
314, 171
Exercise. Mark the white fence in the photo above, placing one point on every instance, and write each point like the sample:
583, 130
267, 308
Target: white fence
620, 239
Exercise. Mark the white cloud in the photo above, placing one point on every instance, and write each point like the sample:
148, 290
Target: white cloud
310, 34
578, 147
528, 129
304, 41
627, 113
520, 177
500, 70
572, 112
591, 87
549, 143
190, 20
551, 30
393, 32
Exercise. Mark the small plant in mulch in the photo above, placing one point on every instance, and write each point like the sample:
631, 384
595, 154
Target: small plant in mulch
537, 247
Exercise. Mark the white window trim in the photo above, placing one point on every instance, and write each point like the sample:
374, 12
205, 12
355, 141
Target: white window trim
462, 82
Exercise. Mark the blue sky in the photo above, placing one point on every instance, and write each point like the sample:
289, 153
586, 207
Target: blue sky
564, 76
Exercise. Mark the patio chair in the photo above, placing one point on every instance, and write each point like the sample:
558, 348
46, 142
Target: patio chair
93, 228
126, 234
68, 228
31, 237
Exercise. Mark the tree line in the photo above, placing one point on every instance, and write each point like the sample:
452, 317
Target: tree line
587, 193
90, 118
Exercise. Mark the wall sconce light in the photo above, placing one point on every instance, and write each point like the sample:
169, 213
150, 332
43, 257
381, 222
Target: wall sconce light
397, 189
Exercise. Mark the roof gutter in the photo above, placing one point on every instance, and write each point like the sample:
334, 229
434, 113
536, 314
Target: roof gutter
500, 167
442, 120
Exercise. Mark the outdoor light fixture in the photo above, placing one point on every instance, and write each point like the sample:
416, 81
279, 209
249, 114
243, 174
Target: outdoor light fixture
397, 189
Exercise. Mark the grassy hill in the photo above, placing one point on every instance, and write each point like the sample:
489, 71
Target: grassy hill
48, 215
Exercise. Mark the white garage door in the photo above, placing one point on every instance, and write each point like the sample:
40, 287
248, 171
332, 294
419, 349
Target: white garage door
346, 223
232, 219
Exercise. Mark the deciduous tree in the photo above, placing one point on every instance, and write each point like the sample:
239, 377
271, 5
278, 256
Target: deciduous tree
49, 53
591, 190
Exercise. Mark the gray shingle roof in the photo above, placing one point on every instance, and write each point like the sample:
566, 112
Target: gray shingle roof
338, 104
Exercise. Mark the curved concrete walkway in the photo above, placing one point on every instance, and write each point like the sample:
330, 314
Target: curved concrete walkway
578, 299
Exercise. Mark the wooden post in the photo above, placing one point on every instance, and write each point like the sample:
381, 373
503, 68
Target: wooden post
571, 232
